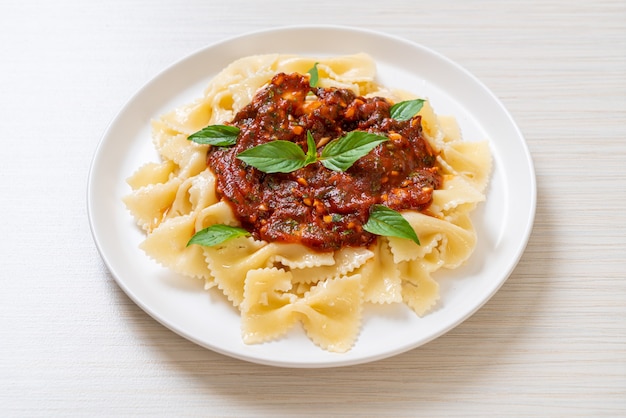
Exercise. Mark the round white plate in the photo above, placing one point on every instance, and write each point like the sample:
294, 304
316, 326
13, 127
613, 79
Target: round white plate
503, 222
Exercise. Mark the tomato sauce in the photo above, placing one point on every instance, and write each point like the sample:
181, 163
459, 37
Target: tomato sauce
320, 208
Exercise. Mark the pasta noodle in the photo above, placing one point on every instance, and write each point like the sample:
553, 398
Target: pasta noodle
276, 285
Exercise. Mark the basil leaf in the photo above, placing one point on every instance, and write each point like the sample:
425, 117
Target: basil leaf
219, 135
311, 153
285, 156
314, 79
216, 234
406, 110
389, 223
275, 157
339, 154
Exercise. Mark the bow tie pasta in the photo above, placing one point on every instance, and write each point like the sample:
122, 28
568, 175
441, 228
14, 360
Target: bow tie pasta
304, 251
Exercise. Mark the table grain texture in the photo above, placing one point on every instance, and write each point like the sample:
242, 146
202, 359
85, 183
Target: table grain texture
550, 343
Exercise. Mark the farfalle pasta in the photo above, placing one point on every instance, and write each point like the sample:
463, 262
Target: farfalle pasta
319, 275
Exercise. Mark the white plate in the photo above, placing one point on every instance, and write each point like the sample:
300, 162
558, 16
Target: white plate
503, 222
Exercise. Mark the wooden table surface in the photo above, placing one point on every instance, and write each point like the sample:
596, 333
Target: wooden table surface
551, 342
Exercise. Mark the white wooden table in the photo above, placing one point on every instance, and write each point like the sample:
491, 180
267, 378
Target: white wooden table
552, 342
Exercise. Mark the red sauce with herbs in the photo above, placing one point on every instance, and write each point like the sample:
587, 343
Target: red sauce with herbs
320, 208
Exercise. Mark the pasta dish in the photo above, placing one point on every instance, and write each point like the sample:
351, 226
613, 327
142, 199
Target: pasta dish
303, 190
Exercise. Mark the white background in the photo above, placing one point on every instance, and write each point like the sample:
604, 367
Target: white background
552, 342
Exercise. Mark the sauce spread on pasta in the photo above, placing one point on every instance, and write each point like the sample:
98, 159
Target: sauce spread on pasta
320, 208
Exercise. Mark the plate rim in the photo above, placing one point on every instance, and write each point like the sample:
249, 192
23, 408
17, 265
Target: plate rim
522, 244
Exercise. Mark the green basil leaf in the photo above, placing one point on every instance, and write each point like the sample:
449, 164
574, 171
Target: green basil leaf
339, 154
314, 79
218, 135
275, 157
406, 110
389, 223
216, 234
311, 153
